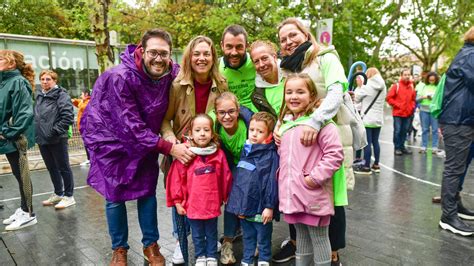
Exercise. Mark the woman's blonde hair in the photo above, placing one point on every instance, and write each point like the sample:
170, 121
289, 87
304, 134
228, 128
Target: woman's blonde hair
226, 95
469, 35
50, 73
313, 93
306, 32
267, 44
186, 72
214, 138
25, 69
371, 71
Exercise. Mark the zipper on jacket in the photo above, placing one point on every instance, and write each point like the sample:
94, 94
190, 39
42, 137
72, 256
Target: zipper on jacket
290, 150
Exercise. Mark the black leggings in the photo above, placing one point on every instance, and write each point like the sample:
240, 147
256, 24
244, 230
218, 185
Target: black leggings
337, 229
14, 160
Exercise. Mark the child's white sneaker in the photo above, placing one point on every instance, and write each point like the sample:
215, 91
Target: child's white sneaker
22, 220
211, 262
201, 261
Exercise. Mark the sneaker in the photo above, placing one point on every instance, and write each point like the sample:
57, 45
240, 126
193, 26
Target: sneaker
362, 170
22, 220
465, 213
440, 153
85, 163
357, 161
227, 254
65, 202
201, 261
456, 226
422, 151
407, 151
285, 242
286, 253
12, 217
436, 199
177, 255
375, 168
398, 152
263, 263
119, 257
52, 200
211, 262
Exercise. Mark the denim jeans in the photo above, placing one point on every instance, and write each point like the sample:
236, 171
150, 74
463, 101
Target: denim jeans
116, 213
56, 159
204, 233
253, 233
400, 129
231, 224
427, 121
457, 142
372, 140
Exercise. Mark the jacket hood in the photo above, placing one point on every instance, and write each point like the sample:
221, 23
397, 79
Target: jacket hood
261, 83
4, 75
376, 82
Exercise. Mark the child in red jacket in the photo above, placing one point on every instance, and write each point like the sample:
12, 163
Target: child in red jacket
199, 189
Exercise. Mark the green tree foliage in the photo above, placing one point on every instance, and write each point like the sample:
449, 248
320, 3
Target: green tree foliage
437, 25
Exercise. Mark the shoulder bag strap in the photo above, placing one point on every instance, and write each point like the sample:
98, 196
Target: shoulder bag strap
372, 103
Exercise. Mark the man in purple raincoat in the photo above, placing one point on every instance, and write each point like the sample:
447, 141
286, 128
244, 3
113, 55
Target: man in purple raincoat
120, 129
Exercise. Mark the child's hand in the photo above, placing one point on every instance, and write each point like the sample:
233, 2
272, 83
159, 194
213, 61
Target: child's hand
267, 215
277, 136
309, 182
180, 209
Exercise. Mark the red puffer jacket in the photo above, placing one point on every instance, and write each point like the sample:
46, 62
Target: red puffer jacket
201, 187
402, 98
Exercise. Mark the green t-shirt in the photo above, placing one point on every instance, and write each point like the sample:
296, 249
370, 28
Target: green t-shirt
274, 96
333, 71
236, 142
425, 91
241, 82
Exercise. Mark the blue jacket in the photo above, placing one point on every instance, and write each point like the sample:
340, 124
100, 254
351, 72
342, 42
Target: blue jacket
245, 114
254, 185
458, 98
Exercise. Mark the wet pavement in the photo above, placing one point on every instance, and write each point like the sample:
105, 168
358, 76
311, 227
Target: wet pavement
390, 220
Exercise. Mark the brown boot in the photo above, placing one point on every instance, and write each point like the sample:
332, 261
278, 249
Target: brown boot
153, 255
119, 257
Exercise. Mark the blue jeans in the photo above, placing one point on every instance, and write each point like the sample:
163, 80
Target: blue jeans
116, 213
231, 224
56, 159
400, 129
257, 233
372, 140
427, 121
204, 233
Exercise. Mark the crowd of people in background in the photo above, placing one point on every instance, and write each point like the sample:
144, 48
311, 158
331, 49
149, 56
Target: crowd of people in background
224, 126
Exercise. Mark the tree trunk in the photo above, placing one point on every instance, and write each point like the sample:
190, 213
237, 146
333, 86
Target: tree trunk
100, 31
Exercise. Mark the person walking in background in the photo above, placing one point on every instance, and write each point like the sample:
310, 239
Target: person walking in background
457, 125
402, 98
16, 120
424, 97
53, 115
120, 128
81, 105
372, 99
199, 189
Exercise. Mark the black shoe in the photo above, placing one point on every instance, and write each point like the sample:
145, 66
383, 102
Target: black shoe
286, 253
407, 151
464, 213
362, 170
456, 226
398, 152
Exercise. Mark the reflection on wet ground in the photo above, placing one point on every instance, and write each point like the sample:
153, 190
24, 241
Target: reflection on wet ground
390, 220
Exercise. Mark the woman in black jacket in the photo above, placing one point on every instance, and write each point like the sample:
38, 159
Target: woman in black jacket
53, 116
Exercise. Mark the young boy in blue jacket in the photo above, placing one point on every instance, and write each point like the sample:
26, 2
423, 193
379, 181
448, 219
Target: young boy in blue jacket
254, 194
